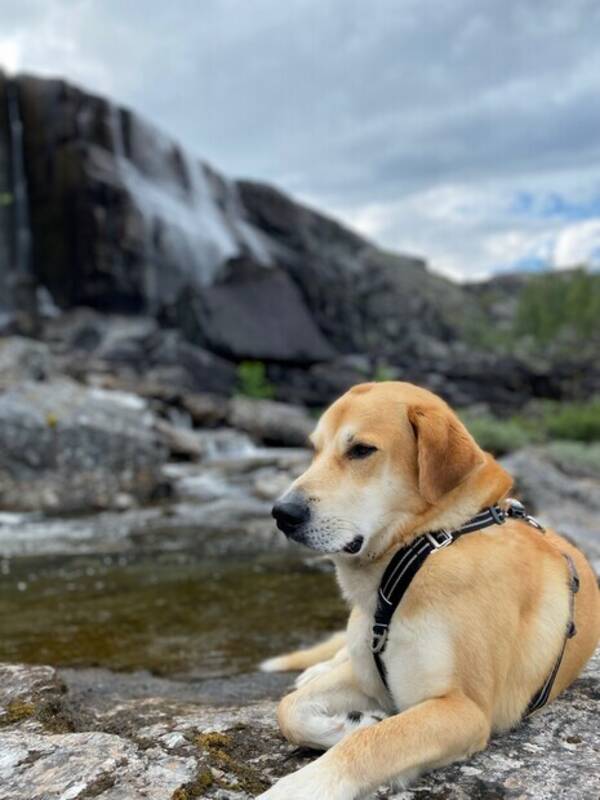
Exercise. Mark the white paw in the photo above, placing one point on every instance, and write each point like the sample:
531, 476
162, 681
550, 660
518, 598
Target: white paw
313, 672
316, 781
276, 664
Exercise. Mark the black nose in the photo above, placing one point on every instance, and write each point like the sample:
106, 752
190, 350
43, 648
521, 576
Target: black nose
290, 514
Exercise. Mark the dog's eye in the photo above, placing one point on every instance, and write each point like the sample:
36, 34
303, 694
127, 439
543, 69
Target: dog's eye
360, 451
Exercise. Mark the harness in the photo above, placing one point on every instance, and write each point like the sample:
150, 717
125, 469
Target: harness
407, 561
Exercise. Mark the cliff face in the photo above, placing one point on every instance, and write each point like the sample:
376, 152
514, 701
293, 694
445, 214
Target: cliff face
123, 219
98, 208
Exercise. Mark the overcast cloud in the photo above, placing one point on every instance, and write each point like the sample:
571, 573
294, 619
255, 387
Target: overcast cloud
467, 131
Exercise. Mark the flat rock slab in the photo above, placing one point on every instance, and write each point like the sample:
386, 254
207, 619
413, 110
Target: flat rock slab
122, 741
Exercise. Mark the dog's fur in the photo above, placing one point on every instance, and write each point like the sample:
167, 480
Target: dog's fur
477, 633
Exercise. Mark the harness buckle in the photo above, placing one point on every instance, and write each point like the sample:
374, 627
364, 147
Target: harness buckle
517, 510
447, 539
379, 637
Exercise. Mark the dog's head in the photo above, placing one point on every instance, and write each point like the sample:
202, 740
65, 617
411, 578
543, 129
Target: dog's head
385, 456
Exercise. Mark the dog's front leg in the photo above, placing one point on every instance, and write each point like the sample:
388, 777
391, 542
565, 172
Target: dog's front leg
397, 749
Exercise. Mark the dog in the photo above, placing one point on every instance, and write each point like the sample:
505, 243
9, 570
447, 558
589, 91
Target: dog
481, 627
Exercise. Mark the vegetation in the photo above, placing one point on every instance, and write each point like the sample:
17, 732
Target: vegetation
540, 422
559, 301
554, 308
383, 372
575, 421
499, 436
252, 380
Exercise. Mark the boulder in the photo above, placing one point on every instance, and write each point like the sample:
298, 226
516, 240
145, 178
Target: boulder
255, 313
67, 448
23, 359
270, 422
563, 490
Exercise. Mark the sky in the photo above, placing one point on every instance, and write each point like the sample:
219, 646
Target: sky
465, 131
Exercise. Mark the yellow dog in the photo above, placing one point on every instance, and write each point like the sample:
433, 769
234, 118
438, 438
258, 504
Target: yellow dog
481, 628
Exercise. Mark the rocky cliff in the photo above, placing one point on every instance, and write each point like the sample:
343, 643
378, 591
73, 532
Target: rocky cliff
98, 208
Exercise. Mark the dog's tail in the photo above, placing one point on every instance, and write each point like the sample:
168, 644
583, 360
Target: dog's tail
302, 659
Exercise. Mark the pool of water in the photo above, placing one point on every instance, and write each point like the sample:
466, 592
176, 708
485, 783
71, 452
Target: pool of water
173, 614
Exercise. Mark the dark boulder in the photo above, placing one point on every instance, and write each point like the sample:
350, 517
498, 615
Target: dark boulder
255, 313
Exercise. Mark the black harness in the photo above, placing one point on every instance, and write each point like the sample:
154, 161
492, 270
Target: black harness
407, 561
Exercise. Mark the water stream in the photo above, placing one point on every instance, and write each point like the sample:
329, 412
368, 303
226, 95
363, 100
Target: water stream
174, 614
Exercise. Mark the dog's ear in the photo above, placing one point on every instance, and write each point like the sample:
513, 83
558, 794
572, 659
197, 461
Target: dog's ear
446, 451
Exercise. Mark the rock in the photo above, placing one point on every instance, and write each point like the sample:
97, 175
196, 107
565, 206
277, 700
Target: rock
255, 313
179, 441
133, 350
206, 410
120, 738
567, 502
67, 448
23, 359
270, 422
361, 297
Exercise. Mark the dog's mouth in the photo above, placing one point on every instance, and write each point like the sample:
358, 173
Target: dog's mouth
354, 546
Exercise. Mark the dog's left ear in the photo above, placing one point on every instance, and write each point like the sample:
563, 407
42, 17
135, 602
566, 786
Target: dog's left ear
446, 451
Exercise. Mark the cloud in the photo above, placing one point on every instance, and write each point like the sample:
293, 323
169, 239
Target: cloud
578, 244
465, 131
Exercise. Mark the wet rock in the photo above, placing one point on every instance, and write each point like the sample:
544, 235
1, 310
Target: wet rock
64, 447
272, 423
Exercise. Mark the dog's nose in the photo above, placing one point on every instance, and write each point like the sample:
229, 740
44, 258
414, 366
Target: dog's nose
290, 514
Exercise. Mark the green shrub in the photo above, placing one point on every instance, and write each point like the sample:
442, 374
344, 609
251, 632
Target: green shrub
252, 380
542, 421
558, 301
499, 436
576, 421
383, 373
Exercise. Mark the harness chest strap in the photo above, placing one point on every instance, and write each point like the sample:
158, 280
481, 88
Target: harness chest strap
407, 561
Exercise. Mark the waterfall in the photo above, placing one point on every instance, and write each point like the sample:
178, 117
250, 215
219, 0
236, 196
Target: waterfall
190, 222
22, 227
22, 283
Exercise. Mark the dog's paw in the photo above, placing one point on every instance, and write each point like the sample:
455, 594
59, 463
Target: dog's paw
316, 780
276, 664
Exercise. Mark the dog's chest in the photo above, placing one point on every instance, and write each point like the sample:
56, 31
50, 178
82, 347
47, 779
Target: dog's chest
418, 659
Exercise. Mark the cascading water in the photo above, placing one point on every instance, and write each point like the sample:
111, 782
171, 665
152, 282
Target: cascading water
192, 221
5, 218
20, 285
22, 248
